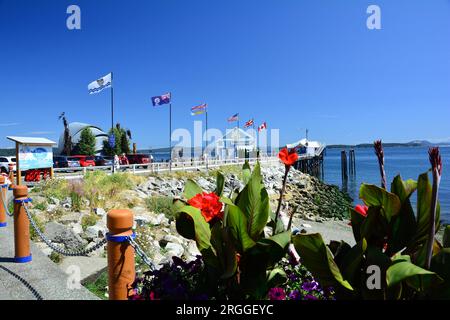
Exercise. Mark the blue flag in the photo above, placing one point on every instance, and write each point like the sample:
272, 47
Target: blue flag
159, 100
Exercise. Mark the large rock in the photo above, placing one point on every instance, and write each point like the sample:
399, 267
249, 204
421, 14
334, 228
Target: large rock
174, 249
59, 233
94, 232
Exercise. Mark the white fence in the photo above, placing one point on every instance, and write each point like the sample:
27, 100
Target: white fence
185, 165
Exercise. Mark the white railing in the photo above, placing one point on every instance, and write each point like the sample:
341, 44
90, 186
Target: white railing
156, 167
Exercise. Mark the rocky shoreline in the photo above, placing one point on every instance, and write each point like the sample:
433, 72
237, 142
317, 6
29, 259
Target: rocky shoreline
310, 199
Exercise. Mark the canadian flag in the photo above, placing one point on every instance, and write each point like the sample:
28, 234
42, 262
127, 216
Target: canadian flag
262, 127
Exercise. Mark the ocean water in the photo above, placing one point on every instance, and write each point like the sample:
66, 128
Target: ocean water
409, 162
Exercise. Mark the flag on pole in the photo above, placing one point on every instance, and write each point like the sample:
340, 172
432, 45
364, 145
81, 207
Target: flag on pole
100, 84
262, 127
198, 109
234, 118
162, 99
249, 123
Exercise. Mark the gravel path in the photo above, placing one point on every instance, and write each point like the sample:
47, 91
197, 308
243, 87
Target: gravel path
330, 230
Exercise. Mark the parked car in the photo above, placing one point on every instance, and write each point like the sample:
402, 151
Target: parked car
139, 158
5, 162
65, 162
103, 161
85, 161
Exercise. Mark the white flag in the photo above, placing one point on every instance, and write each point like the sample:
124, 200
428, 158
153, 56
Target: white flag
100, 84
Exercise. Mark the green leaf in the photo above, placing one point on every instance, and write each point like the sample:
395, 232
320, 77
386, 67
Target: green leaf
220, 181
424, 195
275, 246
403, 270
226, 253
276, 277
318, 260
374, 227
191, 189
254, 203
403, 226
202, 232
351, 262
246, 172
374, 196
237, 222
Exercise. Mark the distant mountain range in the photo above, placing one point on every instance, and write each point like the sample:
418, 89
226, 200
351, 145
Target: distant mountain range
415, 143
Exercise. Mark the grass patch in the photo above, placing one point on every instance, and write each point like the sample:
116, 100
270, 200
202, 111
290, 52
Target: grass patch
88, 221
42, 206
98, 287
55, 257
159, 204
53, 188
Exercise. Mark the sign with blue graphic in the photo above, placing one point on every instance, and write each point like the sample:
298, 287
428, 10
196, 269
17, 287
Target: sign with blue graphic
112, 141
35, 157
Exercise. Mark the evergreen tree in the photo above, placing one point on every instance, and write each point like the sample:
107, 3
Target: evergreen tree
107, 150
86, 145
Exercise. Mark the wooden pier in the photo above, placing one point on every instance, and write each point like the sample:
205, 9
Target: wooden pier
312, 164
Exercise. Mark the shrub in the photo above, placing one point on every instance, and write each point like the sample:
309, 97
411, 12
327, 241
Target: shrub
42, 206
53, 188
160, 204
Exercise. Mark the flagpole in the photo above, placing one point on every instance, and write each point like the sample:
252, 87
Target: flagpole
170, 132
206, 134
112, 119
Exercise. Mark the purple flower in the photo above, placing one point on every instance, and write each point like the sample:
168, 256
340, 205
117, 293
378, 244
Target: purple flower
295, 295
311, 297
310, 286
277, 294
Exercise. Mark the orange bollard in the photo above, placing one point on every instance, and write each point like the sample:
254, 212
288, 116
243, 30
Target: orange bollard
3, 188
121, 270
21, 226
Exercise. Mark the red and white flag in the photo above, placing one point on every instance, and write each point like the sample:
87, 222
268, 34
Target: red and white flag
249, 123
262, 127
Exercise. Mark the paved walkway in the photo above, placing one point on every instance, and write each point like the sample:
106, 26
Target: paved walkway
40, 279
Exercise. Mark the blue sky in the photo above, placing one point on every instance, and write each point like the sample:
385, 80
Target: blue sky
295, 64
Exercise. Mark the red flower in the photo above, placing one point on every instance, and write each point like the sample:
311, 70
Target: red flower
209, 205
362, 210
288, 157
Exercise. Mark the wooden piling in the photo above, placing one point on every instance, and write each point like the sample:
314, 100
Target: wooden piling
344, 171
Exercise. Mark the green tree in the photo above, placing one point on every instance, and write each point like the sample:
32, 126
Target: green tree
107, 150
86, 145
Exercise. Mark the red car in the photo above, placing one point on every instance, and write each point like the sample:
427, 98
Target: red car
85, 161
139, 159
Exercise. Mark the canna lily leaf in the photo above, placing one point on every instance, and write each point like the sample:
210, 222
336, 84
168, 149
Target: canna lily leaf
416, 277
374, 196
246, 172
192, 225
220, 181
403, 226
191, 189
424, 195
237, 222
254, 203
319, 260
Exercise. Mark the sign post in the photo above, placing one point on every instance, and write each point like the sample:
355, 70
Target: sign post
32, 153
